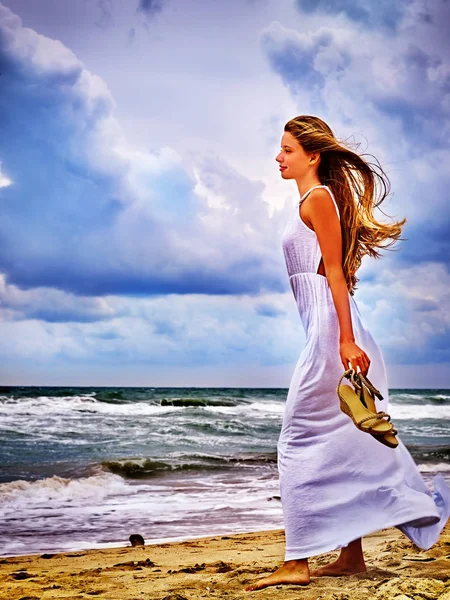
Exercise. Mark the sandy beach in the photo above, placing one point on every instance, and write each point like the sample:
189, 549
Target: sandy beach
220, 567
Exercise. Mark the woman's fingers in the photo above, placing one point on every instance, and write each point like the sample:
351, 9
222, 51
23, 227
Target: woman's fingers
359, 364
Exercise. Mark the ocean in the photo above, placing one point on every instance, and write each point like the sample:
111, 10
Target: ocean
88, 467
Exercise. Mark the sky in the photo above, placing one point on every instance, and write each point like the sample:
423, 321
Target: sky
141, 207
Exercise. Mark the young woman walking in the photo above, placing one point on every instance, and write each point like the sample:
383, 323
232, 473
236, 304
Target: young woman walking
338, 483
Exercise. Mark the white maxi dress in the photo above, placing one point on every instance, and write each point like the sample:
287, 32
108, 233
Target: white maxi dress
338, 483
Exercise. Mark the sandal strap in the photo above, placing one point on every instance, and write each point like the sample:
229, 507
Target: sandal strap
369, 385
383, 414
375, 418
349, 374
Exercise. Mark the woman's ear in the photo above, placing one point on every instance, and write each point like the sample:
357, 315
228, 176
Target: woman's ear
314, 158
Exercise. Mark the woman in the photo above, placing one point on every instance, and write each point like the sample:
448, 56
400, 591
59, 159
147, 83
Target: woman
338, 483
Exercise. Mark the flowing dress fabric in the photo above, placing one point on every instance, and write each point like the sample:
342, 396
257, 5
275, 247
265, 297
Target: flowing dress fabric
338, 483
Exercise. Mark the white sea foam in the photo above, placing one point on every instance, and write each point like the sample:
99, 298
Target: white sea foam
399, 411
59, 490
434, 467
404, 396
253, 408
418, 411
61, 405
57, 513
88, 404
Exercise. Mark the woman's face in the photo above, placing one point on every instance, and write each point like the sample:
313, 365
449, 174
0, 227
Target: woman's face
293, 160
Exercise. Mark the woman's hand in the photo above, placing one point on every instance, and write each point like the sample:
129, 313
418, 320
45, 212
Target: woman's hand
353, 356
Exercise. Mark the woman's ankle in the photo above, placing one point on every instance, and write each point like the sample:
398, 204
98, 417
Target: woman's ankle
349, 559
297, 563
352, 554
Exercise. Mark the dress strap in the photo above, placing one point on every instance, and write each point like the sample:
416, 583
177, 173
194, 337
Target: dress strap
331, 194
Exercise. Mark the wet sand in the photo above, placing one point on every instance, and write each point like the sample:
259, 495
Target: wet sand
221, 566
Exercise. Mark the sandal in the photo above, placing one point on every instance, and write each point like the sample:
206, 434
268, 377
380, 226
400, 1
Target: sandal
388, 439
367, 398
351, 405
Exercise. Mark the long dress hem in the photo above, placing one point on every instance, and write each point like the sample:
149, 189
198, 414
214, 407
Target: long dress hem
442, 497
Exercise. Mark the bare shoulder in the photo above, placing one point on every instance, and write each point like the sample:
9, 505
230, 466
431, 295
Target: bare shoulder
318, 206
319, 199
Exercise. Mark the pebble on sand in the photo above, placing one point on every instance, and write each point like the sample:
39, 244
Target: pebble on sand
136, 539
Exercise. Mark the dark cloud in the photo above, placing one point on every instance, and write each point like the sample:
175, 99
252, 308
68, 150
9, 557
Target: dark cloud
434, 348
421, 114
63, 316
150, 7
427, 242
53, 306
293, 56
294, 62
383, 14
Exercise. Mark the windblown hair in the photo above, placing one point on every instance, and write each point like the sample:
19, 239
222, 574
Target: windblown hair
358, 187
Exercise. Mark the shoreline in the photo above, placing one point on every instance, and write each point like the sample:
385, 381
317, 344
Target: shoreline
150, 542
221, 566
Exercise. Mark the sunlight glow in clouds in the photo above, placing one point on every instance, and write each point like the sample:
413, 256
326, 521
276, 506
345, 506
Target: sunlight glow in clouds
4, 181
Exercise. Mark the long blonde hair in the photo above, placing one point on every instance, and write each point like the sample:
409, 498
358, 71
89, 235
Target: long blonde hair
353, 182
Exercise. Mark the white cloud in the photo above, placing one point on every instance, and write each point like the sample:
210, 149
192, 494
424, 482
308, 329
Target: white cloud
176, 330
408, 311
122, 219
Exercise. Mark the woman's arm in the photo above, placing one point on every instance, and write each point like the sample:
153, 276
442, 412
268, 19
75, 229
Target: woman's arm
320, 213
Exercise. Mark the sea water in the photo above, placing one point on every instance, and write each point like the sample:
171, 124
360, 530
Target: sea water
87, 467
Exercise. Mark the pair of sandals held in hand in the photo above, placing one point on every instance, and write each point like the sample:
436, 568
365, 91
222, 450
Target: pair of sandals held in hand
359, 405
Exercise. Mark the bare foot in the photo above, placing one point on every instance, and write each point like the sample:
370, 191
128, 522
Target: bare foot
339, 568
293, 572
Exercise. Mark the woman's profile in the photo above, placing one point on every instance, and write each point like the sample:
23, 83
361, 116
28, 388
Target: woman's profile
338, 483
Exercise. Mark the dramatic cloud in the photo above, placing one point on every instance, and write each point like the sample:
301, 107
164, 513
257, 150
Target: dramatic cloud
89, 214
383, 14
141, 211
353, 76
304, 61
351, 70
